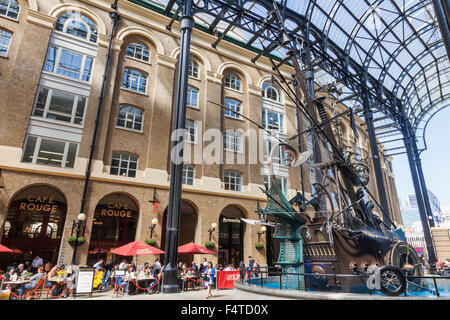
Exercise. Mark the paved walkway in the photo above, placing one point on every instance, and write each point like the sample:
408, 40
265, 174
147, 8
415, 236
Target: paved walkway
226, 294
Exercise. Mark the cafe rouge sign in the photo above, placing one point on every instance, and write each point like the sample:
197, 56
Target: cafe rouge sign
40, 204
116, 210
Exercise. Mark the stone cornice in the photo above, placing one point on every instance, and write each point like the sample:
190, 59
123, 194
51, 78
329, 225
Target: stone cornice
214, 77
166, 61
255, 90
40, 19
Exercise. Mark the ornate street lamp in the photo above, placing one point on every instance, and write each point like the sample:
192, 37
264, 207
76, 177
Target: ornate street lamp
211, 230
78, 225
154, 223
263, 230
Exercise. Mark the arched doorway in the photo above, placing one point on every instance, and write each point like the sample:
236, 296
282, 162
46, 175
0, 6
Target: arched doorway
35, 223
231, 236
188, 226
115, 222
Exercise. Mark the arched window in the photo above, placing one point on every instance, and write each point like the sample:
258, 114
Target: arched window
9, 8
271, 92
134, 80
138, 51
130, 118
232, 81
78, 25
5, 40
193, 69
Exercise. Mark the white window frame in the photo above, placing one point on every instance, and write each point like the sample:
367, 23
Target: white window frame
7, 39
233, 141
47, 105
193, 69
191, 131
144, 49
133, 120
121, 160
281, 122
272, 87
236, 185
235, 103
139, 78
57, 62
37, 148
188, 174
8, 10
189, 98
233, 82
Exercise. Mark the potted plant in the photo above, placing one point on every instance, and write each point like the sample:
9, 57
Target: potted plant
151, 242
79, 241
259, 246
210, 245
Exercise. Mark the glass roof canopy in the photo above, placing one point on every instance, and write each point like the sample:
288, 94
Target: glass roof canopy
398, 42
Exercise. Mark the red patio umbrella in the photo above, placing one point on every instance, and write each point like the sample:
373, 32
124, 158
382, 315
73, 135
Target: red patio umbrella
98, 250
18, 251
194, 248
136, 248
4, 249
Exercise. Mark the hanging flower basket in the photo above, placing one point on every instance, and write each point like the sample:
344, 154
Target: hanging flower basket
210, 245
151, 242
80, 241
259, 246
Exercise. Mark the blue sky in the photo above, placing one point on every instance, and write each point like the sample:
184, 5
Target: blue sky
435, 161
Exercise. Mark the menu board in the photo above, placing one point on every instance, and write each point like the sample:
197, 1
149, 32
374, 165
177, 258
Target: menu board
85, 280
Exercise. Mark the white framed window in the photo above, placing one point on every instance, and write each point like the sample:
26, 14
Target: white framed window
9, 8
193, 69
130, 118
233, 141
232, 81
233, 180
123, 164
5, 41
191, 131
188, 174
272, 120
78, 25
282, 182
61, 106
138, 51
134, 80
51, 152
233, 108
312, 179
309, 141
68, 63
192, 97
271, 92
279, 156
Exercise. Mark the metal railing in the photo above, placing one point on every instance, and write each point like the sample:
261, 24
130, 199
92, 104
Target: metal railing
259, 277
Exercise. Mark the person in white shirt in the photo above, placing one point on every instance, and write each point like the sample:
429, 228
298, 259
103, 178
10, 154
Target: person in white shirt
123, 264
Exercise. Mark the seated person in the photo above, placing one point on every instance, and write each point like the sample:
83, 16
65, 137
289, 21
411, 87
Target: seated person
33, 281
11, 275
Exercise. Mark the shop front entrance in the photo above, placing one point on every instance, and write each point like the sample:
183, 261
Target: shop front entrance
115, 222
231, 236
34, 225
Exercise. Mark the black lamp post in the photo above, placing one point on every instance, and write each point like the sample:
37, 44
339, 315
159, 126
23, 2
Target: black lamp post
211, 230
263, 230
153, 225
78, 225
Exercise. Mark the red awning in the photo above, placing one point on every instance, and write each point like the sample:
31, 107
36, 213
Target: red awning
194, 248
136, 248
4, 249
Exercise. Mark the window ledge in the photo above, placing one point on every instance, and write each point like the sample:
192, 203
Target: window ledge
4, 57
136, 59
233, 118
12, 19
129, 130
58, 75
132, 91
191, 77
234, 90
68, 124
195, 108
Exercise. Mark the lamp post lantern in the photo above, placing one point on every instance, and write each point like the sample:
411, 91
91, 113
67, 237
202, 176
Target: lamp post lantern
211, 230
153, 225
78, 225
263, 230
